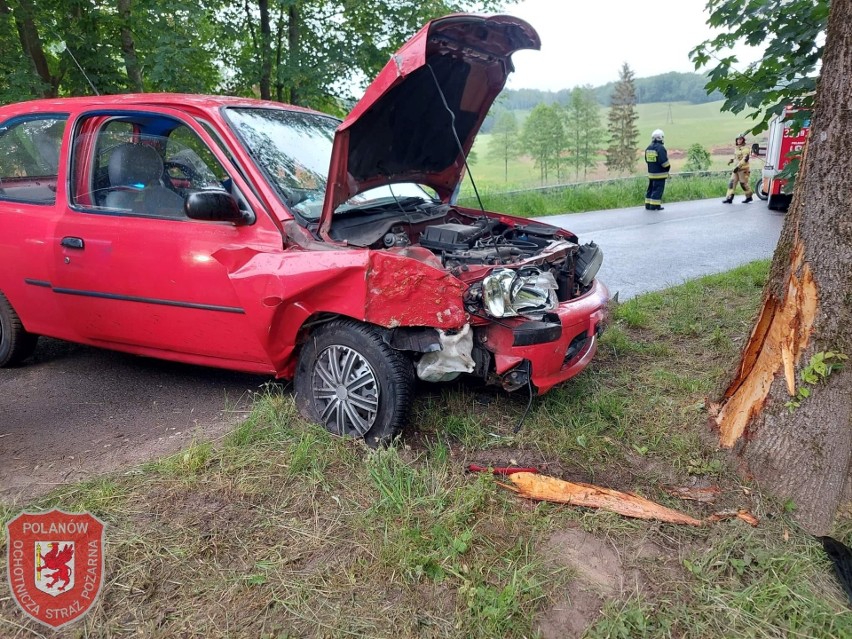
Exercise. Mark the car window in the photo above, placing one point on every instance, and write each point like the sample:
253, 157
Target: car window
291, 147
134, 172
29, 159
294, 150
185, 149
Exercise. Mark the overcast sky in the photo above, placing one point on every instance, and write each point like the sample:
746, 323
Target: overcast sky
586, 41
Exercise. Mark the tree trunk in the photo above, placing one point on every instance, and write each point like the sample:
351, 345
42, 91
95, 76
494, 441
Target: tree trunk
506, 159
128, 47
31, 44
293, 55
804, 454
279, 54
265, 51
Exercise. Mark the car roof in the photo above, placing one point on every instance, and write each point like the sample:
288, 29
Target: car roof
170, 100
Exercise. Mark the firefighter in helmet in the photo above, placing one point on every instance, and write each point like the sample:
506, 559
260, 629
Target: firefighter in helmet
658, 171
742, 172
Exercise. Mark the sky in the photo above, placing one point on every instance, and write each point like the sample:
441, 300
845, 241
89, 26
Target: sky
587, 41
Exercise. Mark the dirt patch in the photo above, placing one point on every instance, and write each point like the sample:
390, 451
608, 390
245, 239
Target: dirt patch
73, 412
599, 575
602, 570
572, 617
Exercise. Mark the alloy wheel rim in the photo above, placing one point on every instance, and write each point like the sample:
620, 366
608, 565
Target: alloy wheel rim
346, 390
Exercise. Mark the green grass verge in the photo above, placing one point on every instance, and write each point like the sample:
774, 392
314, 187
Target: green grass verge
613, 194
285, 531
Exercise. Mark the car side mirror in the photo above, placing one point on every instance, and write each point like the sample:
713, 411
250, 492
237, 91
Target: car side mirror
755, 149
213, 206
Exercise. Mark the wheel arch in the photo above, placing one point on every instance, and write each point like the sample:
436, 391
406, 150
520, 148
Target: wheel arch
297, 323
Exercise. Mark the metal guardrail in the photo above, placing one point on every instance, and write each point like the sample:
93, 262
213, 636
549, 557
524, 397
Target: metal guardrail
559, 187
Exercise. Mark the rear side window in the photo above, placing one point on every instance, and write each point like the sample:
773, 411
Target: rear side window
29, 159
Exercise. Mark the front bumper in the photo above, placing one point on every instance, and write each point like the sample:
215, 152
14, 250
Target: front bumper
552, 356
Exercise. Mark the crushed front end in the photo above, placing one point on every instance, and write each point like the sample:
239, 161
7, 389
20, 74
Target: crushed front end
534, 308
536, 318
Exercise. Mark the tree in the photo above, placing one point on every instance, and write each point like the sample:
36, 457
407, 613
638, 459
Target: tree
122, 45
504, 141
623, 132
786, 417
308, 52
697, 158
544, 138
128, 46
583, 130
790, 32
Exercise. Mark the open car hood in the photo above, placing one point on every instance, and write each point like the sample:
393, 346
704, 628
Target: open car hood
402, 129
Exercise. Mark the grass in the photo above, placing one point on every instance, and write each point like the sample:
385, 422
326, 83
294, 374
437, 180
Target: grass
283, 530
612, 194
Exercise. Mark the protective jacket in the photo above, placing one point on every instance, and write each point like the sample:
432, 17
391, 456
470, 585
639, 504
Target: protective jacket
741, 157
657, 160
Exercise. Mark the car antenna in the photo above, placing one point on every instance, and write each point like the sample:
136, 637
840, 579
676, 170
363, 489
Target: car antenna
455, 134
64, 47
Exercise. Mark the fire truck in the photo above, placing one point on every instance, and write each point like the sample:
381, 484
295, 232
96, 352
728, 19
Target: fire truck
785, 141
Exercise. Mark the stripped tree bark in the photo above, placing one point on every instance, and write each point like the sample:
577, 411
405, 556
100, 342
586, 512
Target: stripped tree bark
804, 454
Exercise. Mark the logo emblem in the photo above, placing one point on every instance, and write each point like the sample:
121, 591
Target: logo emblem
56, 564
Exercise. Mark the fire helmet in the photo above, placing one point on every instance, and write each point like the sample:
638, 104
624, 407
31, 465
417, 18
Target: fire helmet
657, 135
740, 137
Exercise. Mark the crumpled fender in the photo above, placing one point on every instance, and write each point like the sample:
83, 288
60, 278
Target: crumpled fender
280, 290
406, 292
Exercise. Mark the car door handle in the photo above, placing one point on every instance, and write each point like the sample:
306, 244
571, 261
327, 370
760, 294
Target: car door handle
73, 242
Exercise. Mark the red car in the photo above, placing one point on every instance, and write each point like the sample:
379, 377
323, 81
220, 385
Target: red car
272, 239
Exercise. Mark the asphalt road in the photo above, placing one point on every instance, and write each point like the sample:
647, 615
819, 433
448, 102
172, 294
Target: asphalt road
651, 250
73, 411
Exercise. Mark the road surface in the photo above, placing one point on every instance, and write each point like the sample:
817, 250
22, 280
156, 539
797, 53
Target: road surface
73, 411
652, 250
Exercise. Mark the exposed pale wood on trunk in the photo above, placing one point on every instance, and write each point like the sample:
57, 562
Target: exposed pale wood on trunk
777, 342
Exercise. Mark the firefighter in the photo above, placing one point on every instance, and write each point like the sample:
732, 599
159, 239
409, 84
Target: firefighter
658, 171
742, 172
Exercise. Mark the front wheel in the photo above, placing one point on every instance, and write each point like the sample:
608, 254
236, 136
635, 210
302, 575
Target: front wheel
758, 189
354, 384
15, 343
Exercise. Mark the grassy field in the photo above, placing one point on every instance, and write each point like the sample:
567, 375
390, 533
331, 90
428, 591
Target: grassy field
282, 530
691, 123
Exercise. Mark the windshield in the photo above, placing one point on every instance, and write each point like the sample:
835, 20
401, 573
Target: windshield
294, 150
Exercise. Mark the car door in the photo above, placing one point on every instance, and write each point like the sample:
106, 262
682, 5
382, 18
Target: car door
131, 270
30, 203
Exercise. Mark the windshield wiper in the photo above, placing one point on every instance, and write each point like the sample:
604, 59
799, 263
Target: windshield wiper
381, 204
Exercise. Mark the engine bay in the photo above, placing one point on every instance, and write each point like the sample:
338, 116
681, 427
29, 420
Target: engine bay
462, 238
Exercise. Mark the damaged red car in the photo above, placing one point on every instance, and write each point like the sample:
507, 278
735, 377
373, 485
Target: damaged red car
271, 239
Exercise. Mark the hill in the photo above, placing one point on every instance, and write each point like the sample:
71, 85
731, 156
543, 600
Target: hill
666, 87
685, 124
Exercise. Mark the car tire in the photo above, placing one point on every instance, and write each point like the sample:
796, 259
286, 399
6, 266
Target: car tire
758, 189
15, 343
350, 381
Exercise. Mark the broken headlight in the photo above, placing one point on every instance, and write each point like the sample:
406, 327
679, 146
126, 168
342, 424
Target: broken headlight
527, 291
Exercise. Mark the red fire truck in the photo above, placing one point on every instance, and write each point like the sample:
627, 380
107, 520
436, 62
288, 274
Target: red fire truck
785, 141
